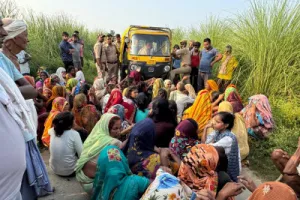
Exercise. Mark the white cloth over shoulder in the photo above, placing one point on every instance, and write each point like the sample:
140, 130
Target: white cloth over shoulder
14, 29
11, 97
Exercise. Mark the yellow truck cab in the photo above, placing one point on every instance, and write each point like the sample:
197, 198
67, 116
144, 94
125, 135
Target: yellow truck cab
147, 50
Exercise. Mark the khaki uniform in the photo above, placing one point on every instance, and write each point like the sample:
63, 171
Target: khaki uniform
118, 45
99, 51
112, 60
185, 68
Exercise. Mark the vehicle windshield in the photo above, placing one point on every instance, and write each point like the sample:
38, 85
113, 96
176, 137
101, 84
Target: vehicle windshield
150, 45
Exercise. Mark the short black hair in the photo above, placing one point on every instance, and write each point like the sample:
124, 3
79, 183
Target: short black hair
118, 35
197, 44
227, 118
142, 102
70, 68
109, 35
176, 46
207, 40
77, 32
162, 93
130, 89
65, 34
62, 122
215, 95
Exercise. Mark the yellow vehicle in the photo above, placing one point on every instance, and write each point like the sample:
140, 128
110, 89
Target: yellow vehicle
147, 50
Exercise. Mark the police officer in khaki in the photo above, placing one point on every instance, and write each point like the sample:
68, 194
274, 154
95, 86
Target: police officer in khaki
100, 56
112, 56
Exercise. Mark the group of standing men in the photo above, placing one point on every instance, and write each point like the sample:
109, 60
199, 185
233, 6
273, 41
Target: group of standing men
72, 50
196, 66
107, 56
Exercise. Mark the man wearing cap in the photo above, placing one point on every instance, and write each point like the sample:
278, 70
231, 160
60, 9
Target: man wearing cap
185, 68
112, 56
100, 56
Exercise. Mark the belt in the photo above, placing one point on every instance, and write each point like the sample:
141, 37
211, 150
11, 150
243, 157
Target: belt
112, 62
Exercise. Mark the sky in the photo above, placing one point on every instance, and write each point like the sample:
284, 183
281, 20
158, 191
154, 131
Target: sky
118, 15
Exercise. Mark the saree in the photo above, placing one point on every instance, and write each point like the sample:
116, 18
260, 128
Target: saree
80, 101
167, 86
47, 88
197, 170
57, 107
114, 180
258, 116
120, 111
191, 91
117, 98
59, 73
213, 85
239, 129
185, 138
200, 111
97, 140
99, 87
273, 191
232, 96
89, 116
72, 82
158, 84
168, 187
57, 91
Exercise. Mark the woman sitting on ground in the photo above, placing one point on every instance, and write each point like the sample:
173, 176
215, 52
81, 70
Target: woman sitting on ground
105, 99
168, 86
142, 105
258, 116
239, 128
71, 73
164, 122
232, 96
89, 116
71, 84
59, 105
158, 84
66, 145
211, 86
130, 96
104, 134
61, 73
57, 91
200, 111
99, 87
191, 91
185, 138
40, 82
143, 157
223, 137
114, 179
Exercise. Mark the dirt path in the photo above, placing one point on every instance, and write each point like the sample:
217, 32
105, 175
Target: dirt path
70, 189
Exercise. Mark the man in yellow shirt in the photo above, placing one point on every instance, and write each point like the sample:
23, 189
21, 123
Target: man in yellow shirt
227, 67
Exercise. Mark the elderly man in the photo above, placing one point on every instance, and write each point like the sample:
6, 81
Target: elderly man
185, 57
100, 56
35, 179
112, 56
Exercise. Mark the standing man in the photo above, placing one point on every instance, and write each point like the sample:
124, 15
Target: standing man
66, 51
80, 41
118, 42
209, 56
185, 56
112, 56
23, 59
76, 53
100, 56
191, 45
195, 61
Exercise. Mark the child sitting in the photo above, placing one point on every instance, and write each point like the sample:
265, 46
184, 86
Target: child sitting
223, 137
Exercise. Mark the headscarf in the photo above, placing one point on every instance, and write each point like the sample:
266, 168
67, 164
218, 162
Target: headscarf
158, 83
72, 82
201, 110
57, 107
258, 116
15, 28
47, 88
80, 101
113, 172
185, 138
59, 72
191, 90
91, 114
197, 169
166, 82
117, 98
232, 95
125, 91
57, 91
213, 85
30, 80
239, 128
273, 191
141, 142
99, 88
120, 111
98, 139
136, 76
